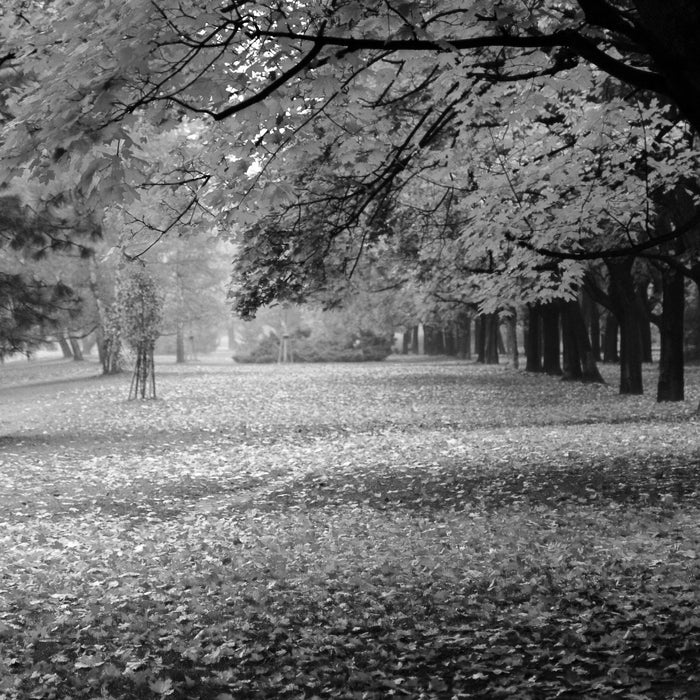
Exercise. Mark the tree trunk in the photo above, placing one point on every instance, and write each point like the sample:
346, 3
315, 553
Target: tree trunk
644, 319
501, 346
449, 342
591, 316
610, 353
512, 336
179, 345
428, 339
405, 342
571, 361
107, 347
414, 340
623, 294
464, 336
670, 386
479, 339
579, 358
550, 338
438, 340
77, 350
491, 336
64, 345
533, 339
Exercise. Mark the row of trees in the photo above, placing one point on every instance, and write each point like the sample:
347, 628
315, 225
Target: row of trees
485, 156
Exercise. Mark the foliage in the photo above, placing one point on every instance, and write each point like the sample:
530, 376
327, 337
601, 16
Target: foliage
363, 347
31, 304
412, 530
139, 307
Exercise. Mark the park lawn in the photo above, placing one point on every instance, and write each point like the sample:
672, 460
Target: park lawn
409, 530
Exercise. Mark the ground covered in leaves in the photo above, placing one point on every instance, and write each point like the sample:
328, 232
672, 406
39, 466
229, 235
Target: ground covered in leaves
398, 529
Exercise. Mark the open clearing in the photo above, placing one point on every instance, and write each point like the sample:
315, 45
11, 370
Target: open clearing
404, 529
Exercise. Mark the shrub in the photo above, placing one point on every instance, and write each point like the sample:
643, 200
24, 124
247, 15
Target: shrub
362, 347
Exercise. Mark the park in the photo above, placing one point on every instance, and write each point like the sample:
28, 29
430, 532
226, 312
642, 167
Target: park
349, 349
422, 528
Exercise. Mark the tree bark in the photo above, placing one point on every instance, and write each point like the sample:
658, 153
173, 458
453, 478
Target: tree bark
550, 338
64, 345
449, 342
579, 358
610, 353
491, 337
464, 336
533, 339
624, 297
77, 350
414, 340
591, 315
512, 336
644, 320
479, 340
179, 345
670, 386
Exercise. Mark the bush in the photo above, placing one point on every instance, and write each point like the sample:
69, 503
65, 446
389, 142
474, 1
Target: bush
363, 347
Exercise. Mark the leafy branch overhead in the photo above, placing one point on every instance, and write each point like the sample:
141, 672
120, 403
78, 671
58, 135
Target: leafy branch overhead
514, 142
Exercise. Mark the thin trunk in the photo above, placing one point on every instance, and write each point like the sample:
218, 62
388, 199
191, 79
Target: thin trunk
108, 359
414, 340
670, 386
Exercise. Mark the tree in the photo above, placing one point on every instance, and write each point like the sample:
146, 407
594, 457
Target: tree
140, 316
31, 306
385, 108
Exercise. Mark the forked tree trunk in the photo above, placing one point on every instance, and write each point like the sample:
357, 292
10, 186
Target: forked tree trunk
670, 386
65, 346
77, 350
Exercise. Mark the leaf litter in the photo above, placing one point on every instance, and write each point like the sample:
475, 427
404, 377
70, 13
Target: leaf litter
391, 530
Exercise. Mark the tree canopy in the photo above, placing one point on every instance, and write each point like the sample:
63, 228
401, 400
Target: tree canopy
514, 140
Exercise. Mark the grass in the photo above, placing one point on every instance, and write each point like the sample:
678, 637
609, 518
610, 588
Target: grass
416, 530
